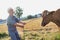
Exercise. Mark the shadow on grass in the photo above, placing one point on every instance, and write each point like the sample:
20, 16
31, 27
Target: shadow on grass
3, 35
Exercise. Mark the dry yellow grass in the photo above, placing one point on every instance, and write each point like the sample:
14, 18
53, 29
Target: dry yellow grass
32, 24
36, 24
34, 30
4, 29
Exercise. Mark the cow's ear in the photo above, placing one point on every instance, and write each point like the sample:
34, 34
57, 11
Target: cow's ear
45, 13
52, 12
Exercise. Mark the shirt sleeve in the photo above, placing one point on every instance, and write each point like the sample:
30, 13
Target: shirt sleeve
17, 20
11, 21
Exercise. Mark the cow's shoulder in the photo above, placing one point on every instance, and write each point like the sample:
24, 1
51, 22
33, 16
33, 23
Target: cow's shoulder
58, 11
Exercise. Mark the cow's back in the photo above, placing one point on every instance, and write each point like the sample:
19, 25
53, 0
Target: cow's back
56, 15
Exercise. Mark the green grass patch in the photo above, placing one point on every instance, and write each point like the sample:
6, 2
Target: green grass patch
57, 37
3, 35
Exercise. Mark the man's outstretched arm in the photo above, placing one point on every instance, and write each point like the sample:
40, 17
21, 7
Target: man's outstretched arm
19, 25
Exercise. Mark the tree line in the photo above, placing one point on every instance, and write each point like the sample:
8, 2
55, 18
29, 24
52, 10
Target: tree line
19, 13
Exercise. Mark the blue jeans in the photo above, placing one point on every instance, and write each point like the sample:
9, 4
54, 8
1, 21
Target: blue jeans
14, 35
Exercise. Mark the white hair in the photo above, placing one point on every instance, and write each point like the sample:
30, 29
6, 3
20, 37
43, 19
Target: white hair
10, 9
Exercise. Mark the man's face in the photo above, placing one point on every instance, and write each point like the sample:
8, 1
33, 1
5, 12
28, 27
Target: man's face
10, 11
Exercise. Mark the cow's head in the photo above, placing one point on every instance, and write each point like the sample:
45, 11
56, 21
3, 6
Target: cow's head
47, 17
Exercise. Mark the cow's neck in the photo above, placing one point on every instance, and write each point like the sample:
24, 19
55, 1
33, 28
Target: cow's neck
56, 22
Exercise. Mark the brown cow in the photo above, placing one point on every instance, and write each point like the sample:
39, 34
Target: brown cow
53, 16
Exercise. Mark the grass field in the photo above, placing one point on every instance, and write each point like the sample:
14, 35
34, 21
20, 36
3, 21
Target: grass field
4, 29
34, 31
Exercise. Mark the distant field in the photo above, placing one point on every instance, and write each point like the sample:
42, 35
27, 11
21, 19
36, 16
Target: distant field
33, 30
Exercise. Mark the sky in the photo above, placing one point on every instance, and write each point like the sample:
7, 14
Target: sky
30, 7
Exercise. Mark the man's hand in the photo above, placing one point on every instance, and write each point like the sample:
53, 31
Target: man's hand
22, 23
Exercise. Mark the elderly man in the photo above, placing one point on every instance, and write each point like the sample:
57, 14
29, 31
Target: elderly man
12, 23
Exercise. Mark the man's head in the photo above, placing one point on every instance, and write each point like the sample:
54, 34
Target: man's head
10, 11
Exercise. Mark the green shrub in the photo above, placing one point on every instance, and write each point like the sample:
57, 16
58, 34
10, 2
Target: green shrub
57, 37
2, 35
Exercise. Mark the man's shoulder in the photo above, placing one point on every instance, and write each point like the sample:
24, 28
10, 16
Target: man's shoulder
8, 17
